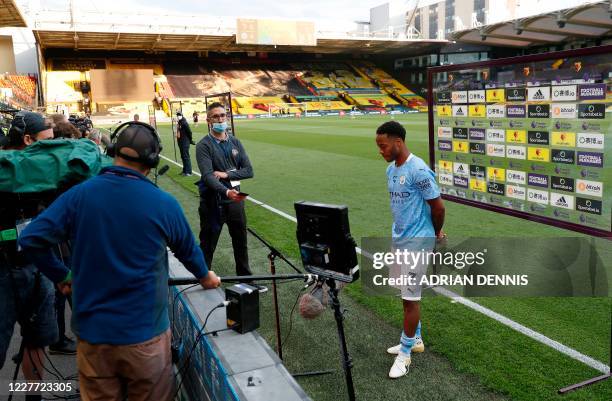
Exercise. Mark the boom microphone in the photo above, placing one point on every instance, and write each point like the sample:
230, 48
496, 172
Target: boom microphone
163, 170
313, 303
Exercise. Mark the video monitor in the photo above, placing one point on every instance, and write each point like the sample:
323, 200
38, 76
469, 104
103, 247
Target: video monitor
324, 237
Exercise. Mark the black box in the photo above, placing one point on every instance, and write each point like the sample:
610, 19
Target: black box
243, 309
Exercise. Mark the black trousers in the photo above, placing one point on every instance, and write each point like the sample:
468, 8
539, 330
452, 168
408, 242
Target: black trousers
212, 218
183, 143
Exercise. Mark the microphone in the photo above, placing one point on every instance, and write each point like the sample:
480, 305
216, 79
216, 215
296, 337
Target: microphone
163, 170
313, 303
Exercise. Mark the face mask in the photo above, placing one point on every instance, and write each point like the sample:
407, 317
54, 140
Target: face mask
219, 127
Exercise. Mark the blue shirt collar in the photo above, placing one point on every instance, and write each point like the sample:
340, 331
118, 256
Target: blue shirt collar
123, 171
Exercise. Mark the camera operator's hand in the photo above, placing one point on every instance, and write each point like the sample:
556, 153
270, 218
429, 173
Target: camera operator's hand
65, 287
235, 195
210, 281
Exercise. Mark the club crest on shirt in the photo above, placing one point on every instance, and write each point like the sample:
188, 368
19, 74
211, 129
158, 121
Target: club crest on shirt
234, 152
402, 179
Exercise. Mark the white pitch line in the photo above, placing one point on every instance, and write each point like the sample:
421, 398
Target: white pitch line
572, 353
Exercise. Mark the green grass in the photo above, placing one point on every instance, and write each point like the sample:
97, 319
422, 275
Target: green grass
335, 160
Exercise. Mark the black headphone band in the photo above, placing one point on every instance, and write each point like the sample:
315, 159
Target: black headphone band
151, 160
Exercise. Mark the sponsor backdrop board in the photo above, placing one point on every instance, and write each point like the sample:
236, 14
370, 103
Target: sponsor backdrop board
527, 136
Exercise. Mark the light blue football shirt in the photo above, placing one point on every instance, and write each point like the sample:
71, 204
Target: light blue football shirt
410, 186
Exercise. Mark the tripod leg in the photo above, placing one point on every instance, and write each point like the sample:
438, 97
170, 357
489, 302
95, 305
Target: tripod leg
347, 362
279, 346
17, 359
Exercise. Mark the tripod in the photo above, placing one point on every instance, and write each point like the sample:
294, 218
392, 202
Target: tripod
274, 253
347, 361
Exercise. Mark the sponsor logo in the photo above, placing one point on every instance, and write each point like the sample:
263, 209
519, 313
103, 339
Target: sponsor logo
462, 182
564, 201
537, 137
445, 132
460, 133
496, 188
538, 154
537, 180
444, 111
588, 205
592, 188
515, 192
564, 93
478, 185
537, 196
563, 139
495, 95
515, 177
443, 97
445, 145
461, 169
477, 148
477, 110
496, 135
460, 111
477, 171
516, 95
476, 96
562, 184
477, 134
496, 111
563, 156
496, 174
496, 150
595, 111
560, 110
592, 91
516, 152
538, 93
445, 179
516, 111
459, 97
516, 136
460, 146
538, 111
445, 166
590, 159
590, 140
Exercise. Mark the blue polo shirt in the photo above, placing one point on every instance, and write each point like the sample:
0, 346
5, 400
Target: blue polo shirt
119, 224
410, 186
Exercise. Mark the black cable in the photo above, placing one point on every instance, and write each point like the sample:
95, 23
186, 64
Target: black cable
182, 370
29, 351
176, 297
291, 316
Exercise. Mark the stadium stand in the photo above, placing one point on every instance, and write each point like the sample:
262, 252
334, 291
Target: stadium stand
391, 86
18, 90
257, 89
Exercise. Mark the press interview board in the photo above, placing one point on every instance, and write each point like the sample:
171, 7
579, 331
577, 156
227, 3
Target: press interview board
527, 136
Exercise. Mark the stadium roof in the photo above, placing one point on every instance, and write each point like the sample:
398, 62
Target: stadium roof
148, 32
586, 21
222, 43
10, 15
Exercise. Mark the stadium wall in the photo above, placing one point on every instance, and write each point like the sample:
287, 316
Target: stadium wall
7, 55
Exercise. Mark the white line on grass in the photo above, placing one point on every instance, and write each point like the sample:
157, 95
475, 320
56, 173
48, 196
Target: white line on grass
572, 353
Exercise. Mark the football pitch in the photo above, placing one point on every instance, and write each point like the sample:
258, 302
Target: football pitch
469, 356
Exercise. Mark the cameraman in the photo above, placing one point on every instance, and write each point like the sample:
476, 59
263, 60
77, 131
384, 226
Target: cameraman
26, 296
120, 225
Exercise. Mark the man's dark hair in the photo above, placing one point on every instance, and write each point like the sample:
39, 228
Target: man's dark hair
214, 105
392, 128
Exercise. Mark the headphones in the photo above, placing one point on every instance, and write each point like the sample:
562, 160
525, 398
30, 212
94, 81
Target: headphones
151, 158
17, 129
